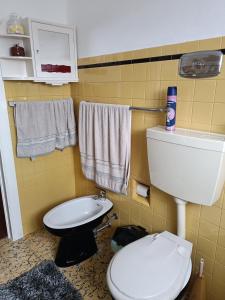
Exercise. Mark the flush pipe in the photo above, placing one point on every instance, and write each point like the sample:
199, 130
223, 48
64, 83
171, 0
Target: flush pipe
181, 217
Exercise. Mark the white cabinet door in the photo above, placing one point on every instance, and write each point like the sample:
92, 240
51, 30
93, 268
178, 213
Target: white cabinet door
54, 50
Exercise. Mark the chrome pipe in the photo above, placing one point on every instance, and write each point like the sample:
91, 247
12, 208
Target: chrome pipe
106, 224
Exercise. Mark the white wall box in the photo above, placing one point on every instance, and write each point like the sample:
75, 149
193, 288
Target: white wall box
50, 54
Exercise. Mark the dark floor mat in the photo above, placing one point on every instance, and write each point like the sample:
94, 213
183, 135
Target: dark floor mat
43, 282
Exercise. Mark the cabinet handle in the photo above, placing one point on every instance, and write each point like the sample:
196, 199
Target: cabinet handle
37, 50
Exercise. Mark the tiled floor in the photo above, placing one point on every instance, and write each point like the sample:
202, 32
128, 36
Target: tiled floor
89, 277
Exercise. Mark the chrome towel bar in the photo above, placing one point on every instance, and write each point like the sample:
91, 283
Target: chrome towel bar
147, 109
156, 109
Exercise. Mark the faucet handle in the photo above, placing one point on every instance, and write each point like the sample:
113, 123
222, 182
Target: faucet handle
102, 194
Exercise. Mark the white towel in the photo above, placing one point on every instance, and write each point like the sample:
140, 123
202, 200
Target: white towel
43, 126
105, 144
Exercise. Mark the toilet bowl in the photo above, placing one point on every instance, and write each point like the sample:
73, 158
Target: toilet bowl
156, 267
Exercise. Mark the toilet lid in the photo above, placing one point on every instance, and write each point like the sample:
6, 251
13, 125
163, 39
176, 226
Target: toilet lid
151, 267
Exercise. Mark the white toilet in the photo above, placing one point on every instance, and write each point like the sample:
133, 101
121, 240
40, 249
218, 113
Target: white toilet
154, 267
189, 165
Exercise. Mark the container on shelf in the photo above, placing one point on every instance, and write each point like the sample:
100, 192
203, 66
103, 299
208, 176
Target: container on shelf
17, 50
15, 25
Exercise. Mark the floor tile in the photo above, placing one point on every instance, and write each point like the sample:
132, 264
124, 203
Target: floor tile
89, 276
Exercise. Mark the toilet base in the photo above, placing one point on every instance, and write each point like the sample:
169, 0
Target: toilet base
75, 248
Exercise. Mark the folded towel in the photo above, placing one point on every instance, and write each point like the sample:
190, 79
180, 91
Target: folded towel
43, 126
105, 142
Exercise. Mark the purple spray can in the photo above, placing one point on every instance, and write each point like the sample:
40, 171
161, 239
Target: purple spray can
171, 108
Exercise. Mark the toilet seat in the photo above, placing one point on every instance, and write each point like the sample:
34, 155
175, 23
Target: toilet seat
154, 267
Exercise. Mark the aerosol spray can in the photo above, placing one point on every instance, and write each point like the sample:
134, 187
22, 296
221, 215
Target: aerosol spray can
171, 108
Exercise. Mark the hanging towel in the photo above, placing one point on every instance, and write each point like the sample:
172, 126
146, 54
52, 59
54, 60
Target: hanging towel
43, 126
105, 144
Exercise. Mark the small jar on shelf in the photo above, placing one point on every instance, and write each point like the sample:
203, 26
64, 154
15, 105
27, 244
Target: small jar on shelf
17, 50
15, 25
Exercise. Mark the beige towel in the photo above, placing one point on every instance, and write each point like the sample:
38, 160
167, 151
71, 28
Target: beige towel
105, 144
43, 126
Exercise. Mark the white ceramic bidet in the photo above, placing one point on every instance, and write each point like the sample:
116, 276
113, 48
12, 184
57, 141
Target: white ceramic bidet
74, 221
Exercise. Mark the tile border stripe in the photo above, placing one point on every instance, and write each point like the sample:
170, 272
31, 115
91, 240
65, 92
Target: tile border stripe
135, 61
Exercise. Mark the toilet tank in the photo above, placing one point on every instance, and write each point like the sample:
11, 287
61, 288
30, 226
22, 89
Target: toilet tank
187, 164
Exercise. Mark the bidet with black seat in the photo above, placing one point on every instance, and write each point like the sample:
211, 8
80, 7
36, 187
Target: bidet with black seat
74, 221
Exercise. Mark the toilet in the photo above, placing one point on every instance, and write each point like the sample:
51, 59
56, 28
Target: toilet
154, 267
190, 166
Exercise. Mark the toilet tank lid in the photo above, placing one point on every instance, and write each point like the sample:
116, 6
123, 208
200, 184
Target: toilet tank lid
188, 137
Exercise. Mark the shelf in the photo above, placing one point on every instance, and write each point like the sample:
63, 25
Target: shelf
15, 36
57, 42
18, 78
16, 57
35, 79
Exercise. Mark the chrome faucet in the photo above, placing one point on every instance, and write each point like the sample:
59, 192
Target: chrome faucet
102, 195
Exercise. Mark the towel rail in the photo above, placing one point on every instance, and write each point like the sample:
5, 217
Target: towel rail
12, 103
147, 109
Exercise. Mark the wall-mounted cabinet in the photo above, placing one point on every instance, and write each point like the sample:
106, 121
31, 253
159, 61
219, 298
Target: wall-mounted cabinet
50, 54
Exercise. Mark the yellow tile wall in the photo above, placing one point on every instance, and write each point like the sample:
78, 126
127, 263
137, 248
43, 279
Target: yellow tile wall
48, 180
200, 105
54, 178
